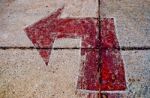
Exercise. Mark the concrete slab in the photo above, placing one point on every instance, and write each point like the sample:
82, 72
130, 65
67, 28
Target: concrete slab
17, 14
132, 20
23, 72
137, 73
21, 76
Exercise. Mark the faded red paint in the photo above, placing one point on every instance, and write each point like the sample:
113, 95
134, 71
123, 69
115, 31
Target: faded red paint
108, 34
88, 77
44, 32
113, 75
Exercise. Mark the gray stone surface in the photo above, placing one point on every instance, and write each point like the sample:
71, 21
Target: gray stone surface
17, 14
23, 74
137, 65
132, 20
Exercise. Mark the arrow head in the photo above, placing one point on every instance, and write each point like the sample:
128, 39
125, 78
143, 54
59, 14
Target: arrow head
41, 36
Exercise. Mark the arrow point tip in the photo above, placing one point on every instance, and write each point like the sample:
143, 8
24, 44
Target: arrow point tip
46, 63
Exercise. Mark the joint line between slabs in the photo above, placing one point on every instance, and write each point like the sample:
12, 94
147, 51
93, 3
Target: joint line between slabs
99, 50
123, 48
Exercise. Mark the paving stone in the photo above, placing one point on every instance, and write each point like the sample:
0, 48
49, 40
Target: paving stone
17, 14
132, 20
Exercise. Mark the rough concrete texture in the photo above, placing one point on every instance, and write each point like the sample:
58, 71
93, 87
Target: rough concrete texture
132, 20
23, 73
137, 73
17, 14
23, 77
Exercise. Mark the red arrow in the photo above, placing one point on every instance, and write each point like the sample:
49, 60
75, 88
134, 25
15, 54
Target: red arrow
44, 32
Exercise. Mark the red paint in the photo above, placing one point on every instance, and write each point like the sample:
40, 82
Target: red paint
88, 77
113, 75
108, 34
44, 32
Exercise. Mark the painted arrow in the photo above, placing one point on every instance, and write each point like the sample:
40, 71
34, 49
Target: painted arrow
44, 32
